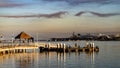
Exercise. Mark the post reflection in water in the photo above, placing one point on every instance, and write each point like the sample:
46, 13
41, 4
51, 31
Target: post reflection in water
45, 59
61, 59
93, 58
27, 60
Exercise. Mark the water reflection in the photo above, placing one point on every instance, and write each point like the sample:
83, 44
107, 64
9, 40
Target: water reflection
26, 60
44, 59
107, 57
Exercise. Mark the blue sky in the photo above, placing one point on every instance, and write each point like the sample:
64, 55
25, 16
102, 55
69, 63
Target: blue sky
60, 16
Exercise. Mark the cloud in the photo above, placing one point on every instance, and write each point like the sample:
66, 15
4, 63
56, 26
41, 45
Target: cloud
52, 15
80, 13
10, 5
76, 2
15, 3
104, 14
97, 14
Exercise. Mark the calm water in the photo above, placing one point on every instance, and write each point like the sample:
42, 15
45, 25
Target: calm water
107, 57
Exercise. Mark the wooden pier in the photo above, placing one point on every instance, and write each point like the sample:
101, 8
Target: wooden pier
47, 48
66, 48
16, 49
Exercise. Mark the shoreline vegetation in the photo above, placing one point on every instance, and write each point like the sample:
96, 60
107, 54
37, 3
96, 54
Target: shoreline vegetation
99, 37
74, 37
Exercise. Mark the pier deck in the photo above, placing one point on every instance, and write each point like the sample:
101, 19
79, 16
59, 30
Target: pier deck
16, 49
47, 47
66, 48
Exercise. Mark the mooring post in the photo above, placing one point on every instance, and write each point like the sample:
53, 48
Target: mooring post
48, 46
76, 47
58, 46
93, 46
69, 48
61, 47
18, 50
22, 50
64, 47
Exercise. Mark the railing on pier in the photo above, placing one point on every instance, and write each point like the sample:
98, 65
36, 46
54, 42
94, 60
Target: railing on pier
48, 47
65, 48
6, 49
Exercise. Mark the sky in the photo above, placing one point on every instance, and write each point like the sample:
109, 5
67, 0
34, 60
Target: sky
60, 16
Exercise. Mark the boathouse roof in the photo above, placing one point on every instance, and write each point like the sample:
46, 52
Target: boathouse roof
23, 35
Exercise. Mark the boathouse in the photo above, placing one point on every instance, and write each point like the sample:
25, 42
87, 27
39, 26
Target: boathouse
24, 38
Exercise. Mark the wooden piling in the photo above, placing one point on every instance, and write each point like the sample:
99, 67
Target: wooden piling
48, 47
64, 48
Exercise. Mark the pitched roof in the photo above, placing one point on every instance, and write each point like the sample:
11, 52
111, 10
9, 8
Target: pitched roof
23, 35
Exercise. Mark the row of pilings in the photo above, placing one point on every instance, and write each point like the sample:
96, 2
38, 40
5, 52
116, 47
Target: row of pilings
16, 49
12, 51
66, 48
49, 48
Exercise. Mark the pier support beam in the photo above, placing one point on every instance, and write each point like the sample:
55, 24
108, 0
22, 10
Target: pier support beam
63, 47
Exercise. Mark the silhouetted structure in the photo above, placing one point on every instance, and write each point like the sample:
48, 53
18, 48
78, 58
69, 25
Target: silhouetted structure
100, 37
24, 37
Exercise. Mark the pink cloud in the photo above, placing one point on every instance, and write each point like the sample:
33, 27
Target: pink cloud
10, 5
97, 14
80, 13
104, 14
52, 15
